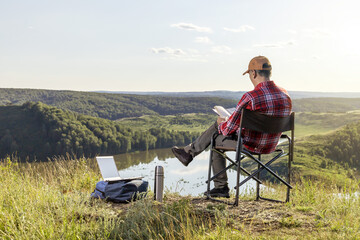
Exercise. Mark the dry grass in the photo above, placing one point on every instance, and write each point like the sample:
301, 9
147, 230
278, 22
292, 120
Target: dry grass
51, 201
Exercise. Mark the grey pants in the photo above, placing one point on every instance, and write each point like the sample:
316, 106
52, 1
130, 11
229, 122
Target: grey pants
219, 162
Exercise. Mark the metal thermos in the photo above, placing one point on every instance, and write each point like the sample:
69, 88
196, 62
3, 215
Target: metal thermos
159, 183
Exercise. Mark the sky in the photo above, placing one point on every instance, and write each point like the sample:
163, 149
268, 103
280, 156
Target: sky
181, 46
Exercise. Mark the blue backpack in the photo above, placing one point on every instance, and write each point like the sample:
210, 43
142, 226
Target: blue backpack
120, 191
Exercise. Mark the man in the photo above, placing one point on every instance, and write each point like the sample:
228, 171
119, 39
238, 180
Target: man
266, 98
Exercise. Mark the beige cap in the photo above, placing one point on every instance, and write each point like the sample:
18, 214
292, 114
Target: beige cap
259, 63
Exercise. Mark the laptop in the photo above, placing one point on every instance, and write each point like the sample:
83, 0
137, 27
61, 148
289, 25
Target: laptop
109, 170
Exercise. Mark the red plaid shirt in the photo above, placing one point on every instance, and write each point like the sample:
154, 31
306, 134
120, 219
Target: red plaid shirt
266, 98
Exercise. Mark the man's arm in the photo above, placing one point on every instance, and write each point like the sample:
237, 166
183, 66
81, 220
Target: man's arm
232, 124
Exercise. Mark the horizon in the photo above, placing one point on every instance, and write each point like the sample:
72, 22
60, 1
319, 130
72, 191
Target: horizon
182, 46
201, 91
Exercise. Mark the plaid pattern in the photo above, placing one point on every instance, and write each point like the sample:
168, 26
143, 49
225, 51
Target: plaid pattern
266, 98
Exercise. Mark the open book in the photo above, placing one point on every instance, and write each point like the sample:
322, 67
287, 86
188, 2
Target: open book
222, 112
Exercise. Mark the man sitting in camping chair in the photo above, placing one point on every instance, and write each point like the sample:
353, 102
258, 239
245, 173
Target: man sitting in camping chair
266, 98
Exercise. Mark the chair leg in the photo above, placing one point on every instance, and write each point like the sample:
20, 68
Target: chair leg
209, 172
257, 183
236, 203
288, 186
288, 180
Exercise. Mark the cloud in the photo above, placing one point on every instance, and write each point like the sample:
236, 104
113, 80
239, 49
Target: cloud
275, 45
221, 49
191, 27
192, 55
242, 28
291, 31
205, 40
167, 50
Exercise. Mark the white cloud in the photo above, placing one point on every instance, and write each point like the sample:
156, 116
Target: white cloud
205, 40
193, 51
191, 27
291, 31
243, 28
275, 45
221, 49
167, 50
192, 55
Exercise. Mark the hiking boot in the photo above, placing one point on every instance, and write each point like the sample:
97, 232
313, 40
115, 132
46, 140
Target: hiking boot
184, 157
219, 192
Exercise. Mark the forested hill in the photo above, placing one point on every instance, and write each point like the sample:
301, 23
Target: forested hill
36, 130
341, 146
113, 106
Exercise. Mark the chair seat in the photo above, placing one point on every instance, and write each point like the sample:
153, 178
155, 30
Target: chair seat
227, 143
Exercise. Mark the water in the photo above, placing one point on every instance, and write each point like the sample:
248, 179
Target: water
188, 180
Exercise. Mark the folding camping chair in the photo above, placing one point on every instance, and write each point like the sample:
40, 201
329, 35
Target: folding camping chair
261, 123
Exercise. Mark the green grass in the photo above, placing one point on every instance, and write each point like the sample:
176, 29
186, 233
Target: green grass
305, 123
51, 201
194, 122
321, 123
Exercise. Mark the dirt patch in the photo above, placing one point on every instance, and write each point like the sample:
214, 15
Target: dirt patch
252, 216
259, 216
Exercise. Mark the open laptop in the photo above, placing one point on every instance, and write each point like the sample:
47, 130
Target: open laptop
109, 170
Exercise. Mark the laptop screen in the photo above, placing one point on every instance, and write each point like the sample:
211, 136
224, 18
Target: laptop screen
107, 167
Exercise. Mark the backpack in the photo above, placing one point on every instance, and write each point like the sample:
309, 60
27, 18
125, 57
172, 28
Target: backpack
120, 191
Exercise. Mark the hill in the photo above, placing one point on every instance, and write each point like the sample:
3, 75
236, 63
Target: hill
116, 106
39, 131
333, 157
112, 106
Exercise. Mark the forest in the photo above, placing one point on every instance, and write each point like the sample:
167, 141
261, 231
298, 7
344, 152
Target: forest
117, 106
36, 131
112, 106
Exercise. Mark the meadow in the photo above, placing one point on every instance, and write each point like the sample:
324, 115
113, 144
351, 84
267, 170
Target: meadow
51, 201
307, 123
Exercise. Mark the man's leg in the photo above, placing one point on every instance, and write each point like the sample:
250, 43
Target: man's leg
186, 154
202, 142
218, 164
221, 187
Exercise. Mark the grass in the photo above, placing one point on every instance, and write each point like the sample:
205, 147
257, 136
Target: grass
194, 122
51, 201
306, 123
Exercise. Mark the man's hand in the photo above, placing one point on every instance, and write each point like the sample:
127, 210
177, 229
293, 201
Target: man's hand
220, 120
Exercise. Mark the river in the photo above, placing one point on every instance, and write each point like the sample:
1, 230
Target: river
188, 180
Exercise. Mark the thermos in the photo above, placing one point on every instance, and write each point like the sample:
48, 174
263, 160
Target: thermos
159, 183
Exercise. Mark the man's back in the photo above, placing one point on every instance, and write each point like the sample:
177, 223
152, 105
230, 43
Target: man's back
266, 98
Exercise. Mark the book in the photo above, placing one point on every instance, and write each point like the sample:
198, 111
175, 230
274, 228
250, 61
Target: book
222, 112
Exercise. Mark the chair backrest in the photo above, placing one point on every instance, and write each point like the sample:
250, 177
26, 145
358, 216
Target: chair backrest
259, 122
